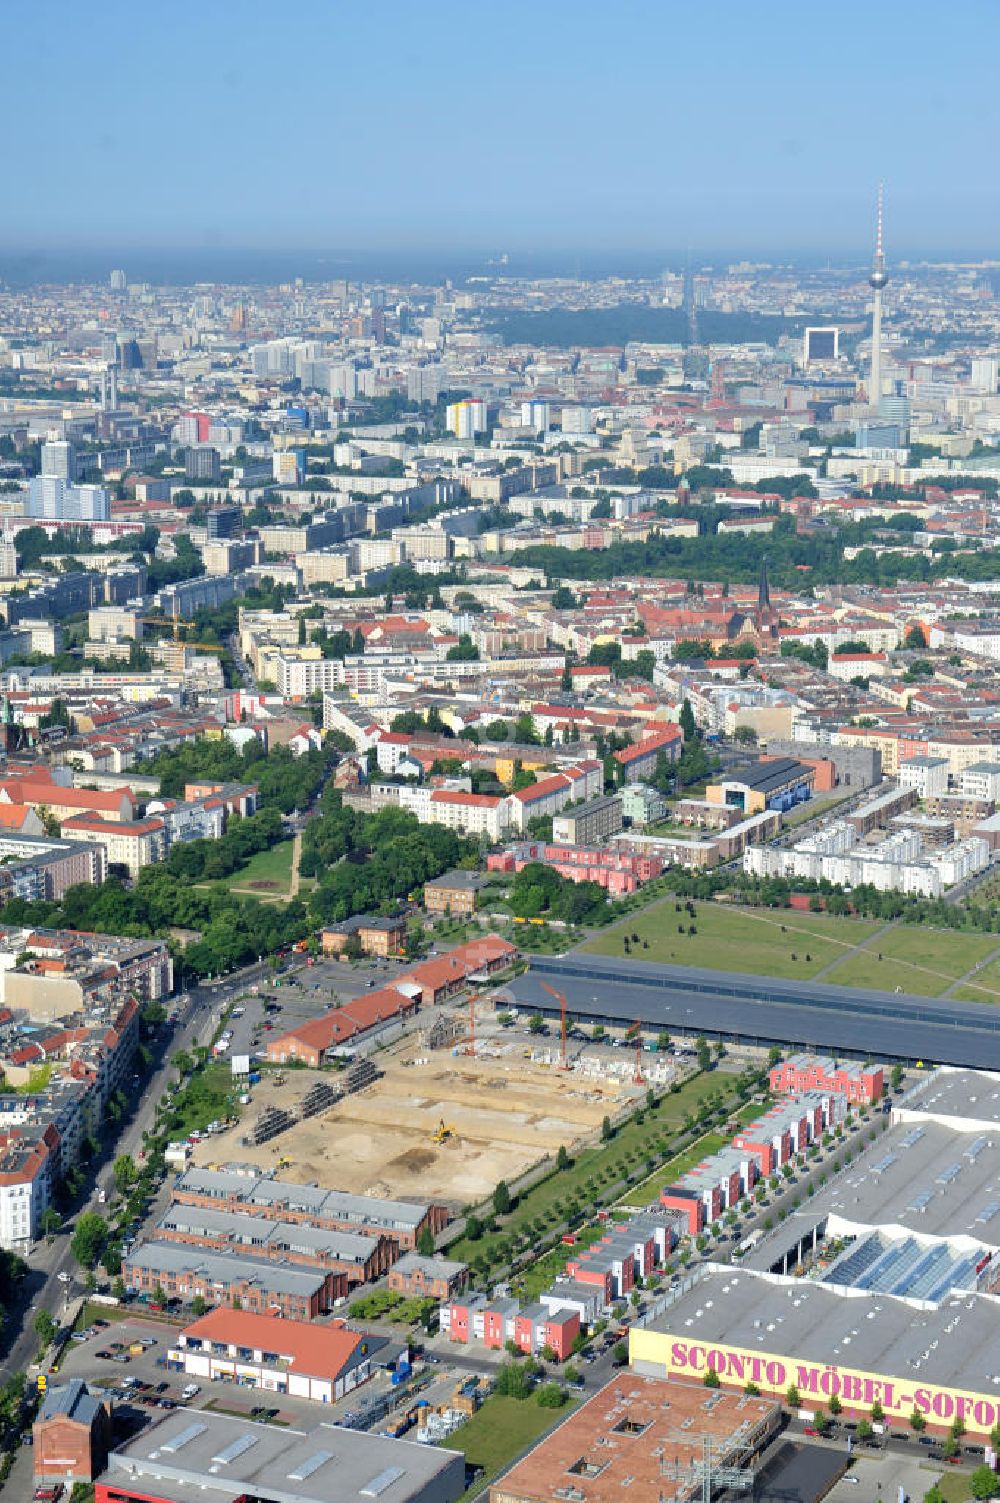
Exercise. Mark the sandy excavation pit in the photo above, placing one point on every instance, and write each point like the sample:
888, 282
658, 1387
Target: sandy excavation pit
505, 1114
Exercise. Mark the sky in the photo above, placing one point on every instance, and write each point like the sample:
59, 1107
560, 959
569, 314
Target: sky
534, 125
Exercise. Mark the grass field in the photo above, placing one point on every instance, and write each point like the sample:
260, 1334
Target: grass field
90, 1312
924, 961
547, 1203
984, 986
498, 1432
761, 941
271, 869
953, 1486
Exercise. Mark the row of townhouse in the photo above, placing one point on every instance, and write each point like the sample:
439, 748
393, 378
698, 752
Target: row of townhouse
789, 1127
494, 1322
819, 1072
725, 1178
171, 1271
360, 1256
595, 1279
399, 1222
628, 1251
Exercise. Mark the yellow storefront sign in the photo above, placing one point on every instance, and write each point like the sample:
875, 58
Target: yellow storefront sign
817, 1382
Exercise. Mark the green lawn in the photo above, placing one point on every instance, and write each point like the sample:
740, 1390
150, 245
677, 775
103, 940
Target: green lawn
953, 1485
761, 941
274, 866
984, 985
545, 1269
210, 1094
648, 1190
498, 1432
924, 961
633, 1146
90, 1312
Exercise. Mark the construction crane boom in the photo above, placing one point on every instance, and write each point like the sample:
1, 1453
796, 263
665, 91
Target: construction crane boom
560, 998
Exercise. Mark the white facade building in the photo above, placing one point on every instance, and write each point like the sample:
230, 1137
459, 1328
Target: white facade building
928, 775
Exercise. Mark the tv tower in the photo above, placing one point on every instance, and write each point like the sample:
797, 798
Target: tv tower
690, 305
876, 282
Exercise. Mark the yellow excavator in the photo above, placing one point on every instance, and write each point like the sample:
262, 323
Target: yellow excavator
443, 1133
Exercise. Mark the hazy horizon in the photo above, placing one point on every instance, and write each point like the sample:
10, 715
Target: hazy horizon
548, 131
260, 266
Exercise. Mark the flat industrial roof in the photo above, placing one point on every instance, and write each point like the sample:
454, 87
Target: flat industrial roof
955, 1345
762, 777
918, 1178
761, 1009
621, 1437
192, 1453
925, 1178
962, 1097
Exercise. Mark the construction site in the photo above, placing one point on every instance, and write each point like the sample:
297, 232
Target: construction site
424, 1117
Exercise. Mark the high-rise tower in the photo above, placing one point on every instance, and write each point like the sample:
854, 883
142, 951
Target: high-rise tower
690, 306
876, 282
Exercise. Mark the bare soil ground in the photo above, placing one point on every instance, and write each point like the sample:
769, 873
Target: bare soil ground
505, 1112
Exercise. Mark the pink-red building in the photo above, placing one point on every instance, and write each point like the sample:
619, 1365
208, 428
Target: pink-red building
616, 870
814, 1072
473, 1317
788, 1129
711, 1187
537, 1327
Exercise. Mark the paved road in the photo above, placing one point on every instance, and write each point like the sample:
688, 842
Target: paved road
240, 663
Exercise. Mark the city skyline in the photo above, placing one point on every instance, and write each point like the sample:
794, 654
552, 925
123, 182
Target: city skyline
464, 135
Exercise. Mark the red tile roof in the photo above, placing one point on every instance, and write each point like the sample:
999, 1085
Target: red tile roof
467, 800
317, 1351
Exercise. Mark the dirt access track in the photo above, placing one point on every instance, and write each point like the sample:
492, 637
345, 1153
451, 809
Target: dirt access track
506, 1112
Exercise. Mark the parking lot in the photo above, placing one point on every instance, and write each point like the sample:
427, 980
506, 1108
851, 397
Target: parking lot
143, 1385
883, 1476
298, 993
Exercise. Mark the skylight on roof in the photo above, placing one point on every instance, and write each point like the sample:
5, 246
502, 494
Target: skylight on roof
380, 1484
311, 1464
236, 1448
183, 1438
